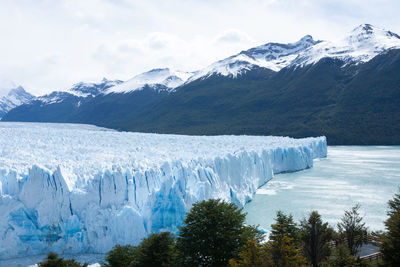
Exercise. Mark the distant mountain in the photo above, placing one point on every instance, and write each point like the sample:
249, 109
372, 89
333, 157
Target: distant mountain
348, 90
60, 106
158, 79
12, 96
273, 56
361, 45
93, 89
78, 91
350, 104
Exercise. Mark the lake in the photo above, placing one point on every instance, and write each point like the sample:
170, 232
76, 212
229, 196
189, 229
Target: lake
369, 175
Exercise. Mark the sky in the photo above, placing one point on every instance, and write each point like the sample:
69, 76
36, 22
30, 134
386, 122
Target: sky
48, 45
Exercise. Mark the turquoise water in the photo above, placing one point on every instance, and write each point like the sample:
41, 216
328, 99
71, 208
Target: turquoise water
369, 175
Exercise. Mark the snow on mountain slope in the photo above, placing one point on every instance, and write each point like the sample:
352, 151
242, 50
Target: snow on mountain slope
54, 97
82, 189
12, 96
158, 79
93, 89
81, 89
361, 45
273, 56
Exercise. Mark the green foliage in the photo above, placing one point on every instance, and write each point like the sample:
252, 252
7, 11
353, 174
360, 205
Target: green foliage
279, 253
251, 232
341, 258
253, 255
282, 252
316, 236
213, 232
121, 256
352, 230
53, 260
285, 225
158, 250
390, 246
282, 249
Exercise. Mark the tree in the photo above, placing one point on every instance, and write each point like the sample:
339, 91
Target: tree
284, 224
158, 250
121, 256
390, 246
253, 255
282, 248
352, 229
256, 255
53, 260
316, 236
282, 252
341, 258
212, 233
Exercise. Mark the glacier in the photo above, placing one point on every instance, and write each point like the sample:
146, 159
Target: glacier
73, 188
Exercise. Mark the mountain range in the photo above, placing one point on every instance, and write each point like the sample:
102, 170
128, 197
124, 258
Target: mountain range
12, 96
348, 90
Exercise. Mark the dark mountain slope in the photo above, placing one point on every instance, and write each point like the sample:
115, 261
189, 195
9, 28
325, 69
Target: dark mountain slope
111, 110
117, 110
350, 105
368, 110
37, 111
246, 105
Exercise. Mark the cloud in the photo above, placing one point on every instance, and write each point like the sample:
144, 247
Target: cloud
49, 45
233, 36
159, 40
5, 86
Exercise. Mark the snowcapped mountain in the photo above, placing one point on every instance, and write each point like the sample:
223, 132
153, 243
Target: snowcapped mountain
261, 87
12, 96
93, 89
273, 56
80, 90
158, 79
361, 45
53, 97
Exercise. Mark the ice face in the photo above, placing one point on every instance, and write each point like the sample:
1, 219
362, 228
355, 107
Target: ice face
80, 189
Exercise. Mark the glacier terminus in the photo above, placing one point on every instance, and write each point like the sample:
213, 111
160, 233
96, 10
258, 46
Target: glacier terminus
83, 189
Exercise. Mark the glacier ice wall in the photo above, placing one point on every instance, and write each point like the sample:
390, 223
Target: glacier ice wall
80, 189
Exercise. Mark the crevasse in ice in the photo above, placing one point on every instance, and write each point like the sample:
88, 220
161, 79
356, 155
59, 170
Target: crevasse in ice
79, 188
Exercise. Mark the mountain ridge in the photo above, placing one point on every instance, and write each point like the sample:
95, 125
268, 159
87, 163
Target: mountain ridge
272, 55
310, 96
12, 97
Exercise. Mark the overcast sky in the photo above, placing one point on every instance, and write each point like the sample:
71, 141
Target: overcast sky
49, 45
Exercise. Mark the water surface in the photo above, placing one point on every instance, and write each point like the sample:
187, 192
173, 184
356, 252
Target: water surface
369, 175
